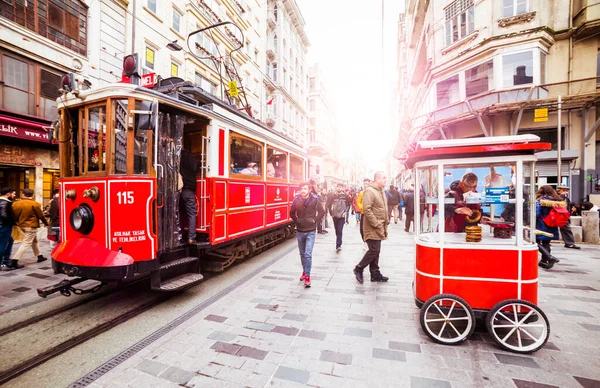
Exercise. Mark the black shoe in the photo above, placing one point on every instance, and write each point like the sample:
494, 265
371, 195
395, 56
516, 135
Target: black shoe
14, 264
547, 264
359, 275
41, 258
378, 277
572, 246
554, 259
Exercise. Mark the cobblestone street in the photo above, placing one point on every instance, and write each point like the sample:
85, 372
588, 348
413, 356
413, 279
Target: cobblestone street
272, 332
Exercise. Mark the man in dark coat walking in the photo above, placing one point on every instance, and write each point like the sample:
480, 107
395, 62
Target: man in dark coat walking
306, 211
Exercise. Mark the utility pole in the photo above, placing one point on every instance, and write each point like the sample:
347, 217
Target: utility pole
559, 132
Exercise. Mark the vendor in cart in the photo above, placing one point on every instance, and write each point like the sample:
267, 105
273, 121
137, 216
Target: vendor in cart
460, 213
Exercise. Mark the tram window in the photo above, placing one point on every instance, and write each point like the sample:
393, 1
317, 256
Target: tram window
296, 169
245, 156
140, 147
95, 142
119, 144
276, 163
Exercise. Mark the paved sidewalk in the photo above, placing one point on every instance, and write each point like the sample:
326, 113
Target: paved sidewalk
19, 287
272, 332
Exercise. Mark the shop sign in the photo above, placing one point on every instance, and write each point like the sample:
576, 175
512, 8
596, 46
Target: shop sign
496, 195
23, 133
540, 114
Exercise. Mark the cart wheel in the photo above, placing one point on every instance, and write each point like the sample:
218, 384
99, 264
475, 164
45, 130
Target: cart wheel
447, 319
518, 326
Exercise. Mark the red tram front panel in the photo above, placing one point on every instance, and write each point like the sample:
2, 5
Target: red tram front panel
482, 277
122, 221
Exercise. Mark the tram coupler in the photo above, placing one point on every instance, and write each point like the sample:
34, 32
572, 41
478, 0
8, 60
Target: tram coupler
64, 287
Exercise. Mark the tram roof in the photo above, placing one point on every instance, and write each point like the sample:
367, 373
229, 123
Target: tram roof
476, 147
185, 93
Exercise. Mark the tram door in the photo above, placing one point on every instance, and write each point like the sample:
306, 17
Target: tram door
195, 139
170, 133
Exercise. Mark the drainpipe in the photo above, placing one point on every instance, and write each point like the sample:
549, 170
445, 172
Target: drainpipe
133, 27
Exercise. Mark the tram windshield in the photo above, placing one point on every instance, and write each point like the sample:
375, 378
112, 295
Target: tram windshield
479, 202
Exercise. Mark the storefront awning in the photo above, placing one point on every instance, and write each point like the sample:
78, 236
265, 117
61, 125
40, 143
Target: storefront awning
23, 129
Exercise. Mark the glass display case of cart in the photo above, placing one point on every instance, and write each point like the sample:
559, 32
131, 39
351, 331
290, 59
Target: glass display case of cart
466, 202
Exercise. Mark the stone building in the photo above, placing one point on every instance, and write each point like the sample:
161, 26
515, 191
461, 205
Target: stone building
323, 140
481, 68
41, 41
286, 71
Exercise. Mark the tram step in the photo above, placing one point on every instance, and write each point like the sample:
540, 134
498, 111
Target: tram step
180, 282
175, 263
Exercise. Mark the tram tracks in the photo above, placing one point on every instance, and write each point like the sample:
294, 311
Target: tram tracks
39, 339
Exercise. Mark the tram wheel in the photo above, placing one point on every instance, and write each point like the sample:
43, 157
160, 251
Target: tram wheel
518, 326
447, 319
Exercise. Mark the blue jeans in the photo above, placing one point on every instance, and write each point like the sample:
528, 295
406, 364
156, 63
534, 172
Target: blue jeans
338, 223
306, 241
6, 243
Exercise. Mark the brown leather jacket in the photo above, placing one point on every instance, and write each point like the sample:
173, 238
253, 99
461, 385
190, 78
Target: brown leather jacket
28, 213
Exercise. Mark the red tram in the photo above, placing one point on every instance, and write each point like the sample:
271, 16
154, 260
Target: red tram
120, 148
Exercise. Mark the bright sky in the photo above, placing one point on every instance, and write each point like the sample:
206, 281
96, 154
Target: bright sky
345, 38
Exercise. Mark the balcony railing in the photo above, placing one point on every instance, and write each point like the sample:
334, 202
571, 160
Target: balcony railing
576, 94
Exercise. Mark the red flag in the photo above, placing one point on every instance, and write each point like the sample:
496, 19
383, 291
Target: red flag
270, 101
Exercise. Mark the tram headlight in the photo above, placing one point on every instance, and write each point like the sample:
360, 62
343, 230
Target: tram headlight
82, 219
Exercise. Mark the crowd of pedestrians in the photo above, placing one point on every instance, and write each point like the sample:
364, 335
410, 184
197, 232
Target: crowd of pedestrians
26, 214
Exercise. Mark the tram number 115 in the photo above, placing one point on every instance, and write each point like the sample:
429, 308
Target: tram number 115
125, 197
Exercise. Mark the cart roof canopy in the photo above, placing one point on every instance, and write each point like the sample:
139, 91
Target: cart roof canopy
476, 147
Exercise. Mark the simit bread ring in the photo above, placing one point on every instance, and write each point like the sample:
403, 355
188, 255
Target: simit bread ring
474, 218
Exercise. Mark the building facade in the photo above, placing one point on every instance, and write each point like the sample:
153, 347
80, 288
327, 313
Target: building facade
286, 71
481, 68
323, 136
41, 41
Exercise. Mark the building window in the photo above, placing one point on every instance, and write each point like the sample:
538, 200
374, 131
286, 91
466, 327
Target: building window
152, 5
275, 72
206, 85
174, 70
542, 68
149, 58
176, 20
460, 20
448, 91
312, 105
311, 83
479, 79
62, 21
28, 88
312, 122
517, 69
514, 7
598, 68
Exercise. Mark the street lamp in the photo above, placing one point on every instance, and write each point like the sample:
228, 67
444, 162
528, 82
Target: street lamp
174, 46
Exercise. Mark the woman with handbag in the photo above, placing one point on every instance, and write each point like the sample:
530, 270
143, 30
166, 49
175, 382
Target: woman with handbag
546, 200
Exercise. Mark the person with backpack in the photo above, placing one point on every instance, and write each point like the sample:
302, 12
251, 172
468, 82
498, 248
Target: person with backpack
306, 211
338, 205
565, 231
548, 205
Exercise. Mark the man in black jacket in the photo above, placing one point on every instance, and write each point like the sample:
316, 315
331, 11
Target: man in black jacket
7, 220
187, 168
393, 198
306, 211
409, 202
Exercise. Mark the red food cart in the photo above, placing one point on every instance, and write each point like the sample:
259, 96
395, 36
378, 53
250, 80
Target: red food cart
480, 263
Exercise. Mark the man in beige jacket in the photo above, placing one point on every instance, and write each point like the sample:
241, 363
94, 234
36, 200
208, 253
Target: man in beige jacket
28, 214
375, 212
